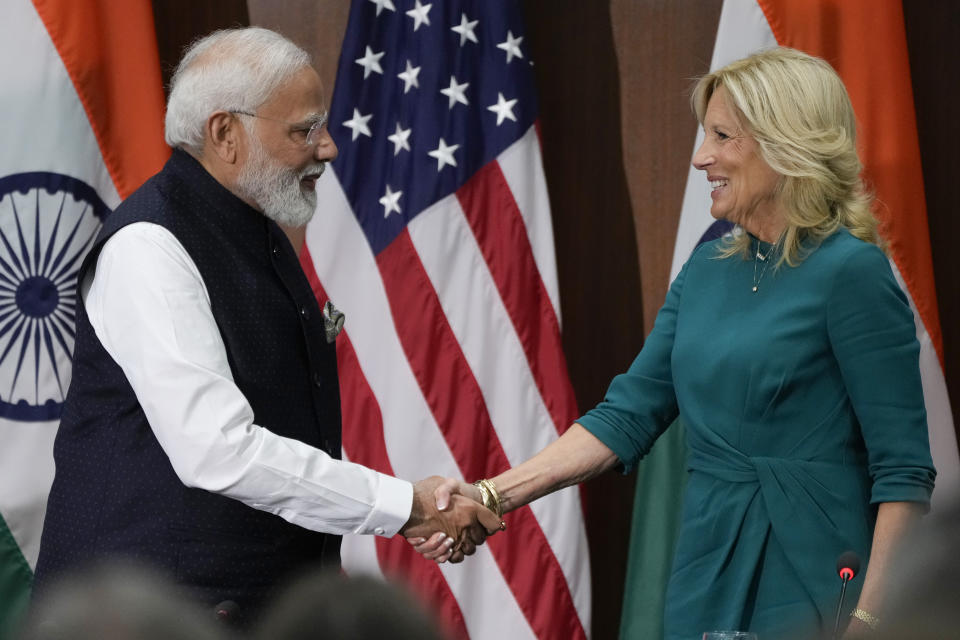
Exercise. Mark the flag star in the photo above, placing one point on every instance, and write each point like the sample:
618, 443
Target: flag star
399, 139
503, 109
465, 29
358, 123
370, 62
409, 77
455, 92
383, 4
512, 46
390, 202
444, 154
419, 15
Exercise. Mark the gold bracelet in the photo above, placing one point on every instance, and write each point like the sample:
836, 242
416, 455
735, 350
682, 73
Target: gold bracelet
484, 495
869, 619
489, 496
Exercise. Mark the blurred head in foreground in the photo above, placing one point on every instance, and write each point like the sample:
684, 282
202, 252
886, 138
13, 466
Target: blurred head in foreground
117, 601
337, 607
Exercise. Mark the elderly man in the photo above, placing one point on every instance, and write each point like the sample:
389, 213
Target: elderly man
201, 432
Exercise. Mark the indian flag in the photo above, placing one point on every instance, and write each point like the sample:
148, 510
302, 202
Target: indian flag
82, 114
866, 43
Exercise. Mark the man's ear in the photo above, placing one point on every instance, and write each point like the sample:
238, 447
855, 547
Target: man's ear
223, 133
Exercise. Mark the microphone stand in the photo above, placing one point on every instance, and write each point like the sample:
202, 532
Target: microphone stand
843, 590
848, 565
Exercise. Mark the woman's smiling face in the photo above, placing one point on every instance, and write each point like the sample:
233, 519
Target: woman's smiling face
744, 186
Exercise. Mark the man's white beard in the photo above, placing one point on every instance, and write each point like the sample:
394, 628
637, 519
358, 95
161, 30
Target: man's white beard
276, 188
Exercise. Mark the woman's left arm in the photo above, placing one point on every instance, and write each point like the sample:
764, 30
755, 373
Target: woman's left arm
873, 337
894, 520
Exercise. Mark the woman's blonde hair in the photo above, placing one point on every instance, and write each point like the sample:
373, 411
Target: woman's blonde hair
798, 110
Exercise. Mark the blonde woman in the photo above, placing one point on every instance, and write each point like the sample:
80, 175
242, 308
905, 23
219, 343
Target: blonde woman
789, 352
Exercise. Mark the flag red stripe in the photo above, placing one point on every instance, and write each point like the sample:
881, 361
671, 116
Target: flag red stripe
866, 43
457, 404
498, 226
110, 52
437, 362
364, 442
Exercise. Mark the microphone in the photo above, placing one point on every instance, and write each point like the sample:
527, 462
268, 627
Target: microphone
226, 611
848, 565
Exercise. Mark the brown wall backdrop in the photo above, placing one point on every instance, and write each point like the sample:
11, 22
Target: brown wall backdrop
617, 137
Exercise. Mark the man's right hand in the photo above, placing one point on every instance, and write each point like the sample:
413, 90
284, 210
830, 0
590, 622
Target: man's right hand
446, 524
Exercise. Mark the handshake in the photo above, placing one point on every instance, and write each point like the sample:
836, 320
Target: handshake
450, 518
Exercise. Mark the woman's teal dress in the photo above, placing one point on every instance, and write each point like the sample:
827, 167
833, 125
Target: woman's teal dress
803, 408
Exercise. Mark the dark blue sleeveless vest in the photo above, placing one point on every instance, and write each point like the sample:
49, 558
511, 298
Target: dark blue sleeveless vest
115, 491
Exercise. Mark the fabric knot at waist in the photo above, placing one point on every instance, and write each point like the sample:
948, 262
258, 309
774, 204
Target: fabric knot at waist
735, 466
721, 460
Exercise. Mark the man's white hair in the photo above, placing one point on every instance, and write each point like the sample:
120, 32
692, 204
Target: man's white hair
230, 70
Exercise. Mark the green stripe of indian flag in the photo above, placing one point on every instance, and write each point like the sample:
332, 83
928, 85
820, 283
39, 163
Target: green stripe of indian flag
15, 580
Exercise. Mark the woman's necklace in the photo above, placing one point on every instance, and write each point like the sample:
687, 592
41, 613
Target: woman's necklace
758, 258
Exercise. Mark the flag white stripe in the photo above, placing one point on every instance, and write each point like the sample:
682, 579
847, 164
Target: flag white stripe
943, 441
522, 167
561, 518
478, 318
358, 554
26, 460
488, 606
943, 438
349, 274
742, 30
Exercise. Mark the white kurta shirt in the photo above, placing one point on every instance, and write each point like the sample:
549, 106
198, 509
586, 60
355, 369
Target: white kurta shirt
150, 309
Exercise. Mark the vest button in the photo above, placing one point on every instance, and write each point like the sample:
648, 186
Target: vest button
305, 313
276, 250
317, 380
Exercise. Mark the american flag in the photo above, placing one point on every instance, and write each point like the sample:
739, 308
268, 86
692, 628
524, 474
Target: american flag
433, 236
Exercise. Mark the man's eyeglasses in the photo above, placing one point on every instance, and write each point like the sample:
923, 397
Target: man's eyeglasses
313, 131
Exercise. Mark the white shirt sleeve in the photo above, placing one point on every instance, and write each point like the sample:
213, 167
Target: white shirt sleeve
151, 311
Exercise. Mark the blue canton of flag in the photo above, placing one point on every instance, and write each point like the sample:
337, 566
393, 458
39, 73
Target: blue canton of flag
426, 95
